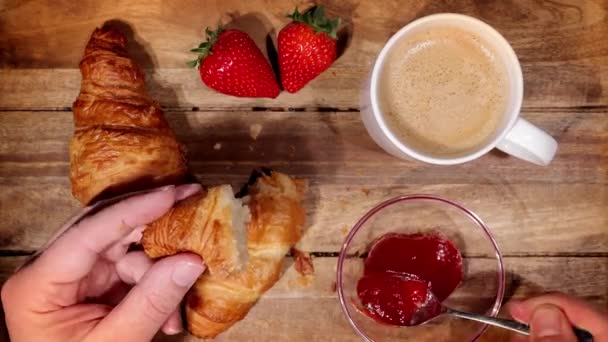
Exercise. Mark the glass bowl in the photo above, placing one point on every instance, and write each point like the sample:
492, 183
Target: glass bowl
483, 284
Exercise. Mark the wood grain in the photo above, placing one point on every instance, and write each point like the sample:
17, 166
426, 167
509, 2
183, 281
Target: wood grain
522, 217
332, 146
550, 222
297, 308
563, 47
348, 175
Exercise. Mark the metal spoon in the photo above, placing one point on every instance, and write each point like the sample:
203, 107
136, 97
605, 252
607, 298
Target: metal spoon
432, 308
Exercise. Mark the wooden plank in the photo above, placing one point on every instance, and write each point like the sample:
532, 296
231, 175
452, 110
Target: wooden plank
557, 211
526, 219
532, 210
307, 308
563, 46
332, 147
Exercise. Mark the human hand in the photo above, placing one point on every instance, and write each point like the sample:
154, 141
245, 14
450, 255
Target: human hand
552, 316
86, 286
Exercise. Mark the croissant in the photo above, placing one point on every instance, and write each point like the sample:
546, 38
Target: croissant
210, 224
270, 216
122, 141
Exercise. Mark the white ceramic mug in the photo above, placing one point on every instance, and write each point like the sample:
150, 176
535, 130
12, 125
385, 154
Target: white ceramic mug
515, 135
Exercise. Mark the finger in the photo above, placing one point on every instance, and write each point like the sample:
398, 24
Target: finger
106, 282
130, 269
549, 324
100, 280
73, 255
514, 308
119, 249
173, 325
150, 303
578, 312
187, 190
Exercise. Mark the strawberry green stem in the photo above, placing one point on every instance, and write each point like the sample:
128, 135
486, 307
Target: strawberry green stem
204, 49
316, 19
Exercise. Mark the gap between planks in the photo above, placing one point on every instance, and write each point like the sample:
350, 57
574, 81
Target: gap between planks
17, 253
573, 109
209, 109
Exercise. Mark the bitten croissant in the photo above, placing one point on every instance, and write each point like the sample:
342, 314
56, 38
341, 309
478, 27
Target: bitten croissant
213, 225
122, 141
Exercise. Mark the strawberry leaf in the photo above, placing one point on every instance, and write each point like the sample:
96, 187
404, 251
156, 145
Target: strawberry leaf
194, 63
318, 15
316, 19
204, 49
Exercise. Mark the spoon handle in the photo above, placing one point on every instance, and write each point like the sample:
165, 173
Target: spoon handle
582, 335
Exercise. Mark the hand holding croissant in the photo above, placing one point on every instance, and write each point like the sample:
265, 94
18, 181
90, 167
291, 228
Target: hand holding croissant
86, 287
123, 143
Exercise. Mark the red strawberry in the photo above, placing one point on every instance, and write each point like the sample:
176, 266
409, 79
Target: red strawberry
307, 47
231, 63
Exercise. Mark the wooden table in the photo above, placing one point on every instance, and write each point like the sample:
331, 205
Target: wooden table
551, 222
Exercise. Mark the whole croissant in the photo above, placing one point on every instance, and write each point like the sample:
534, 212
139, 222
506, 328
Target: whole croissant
122, 141
210, 225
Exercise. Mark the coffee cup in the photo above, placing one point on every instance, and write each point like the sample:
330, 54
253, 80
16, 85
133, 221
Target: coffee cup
446, 89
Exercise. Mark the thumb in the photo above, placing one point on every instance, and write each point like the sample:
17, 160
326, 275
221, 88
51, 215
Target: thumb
549, 324
150, 303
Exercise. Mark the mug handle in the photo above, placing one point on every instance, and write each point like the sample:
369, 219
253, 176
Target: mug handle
528, 142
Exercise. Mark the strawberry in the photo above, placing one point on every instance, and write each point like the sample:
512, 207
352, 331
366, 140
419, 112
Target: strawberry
231, 63
307, 47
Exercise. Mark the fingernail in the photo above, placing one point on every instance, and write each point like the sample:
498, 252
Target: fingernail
186, 190
173, 330
515, 309
185, 274
167, 187
546, 321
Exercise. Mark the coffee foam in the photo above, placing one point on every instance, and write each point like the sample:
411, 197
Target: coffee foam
443, 91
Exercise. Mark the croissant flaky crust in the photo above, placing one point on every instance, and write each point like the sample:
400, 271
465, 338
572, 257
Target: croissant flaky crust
225, 294
122, 141
210, 224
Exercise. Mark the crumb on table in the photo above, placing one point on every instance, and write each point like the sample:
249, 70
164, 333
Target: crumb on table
254, 131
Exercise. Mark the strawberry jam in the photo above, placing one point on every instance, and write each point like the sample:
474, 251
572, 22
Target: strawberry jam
399, 272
